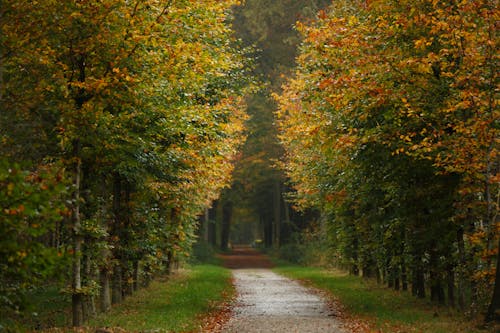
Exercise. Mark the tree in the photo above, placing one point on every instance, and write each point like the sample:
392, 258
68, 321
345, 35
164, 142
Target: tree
141, 104
379, 111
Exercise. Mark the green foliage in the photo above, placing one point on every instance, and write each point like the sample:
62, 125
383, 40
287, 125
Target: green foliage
381, 136
141, 106
31, 207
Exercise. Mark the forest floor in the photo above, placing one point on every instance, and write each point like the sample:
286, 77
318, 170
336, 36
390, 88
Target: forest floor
268, 302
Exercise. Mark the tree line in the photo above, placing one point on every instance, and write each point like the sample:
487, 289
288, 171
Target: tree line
391, 130
119, 123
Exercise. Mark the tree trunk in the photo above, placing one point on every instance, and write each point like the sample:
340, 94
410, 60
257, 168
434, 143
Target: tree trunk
491, 314
206, 222
212, 224
77, 297
88, 306
227, 211
104, 271
277, 214
105, 295
117, 292
397, 285
287, 212
354, 270
135, 277
125, 240
126, 278
450, 278
268, 230
419, 279
462, 266
404, 276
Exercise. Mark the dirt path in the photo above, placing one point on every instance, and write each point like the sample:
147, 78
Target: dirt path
268, 302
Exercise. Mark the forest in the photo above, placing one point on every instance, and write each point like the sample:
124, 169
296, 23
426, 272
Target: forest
356, 134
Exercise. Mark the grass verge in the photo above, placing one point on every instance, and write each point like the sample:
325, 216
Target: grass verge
383, 310
176, 305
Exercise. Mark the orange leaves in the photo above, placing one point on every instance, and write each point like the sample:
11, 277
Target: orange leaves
14, 211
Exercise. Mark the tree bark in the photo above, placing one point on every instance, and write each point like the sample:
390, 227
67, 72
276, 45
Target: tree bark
117, 288
491, 314
206, 222
277, 214
117, 293
451, 285
135, 277
404, 276
462, 265
419, 279
77, 297
212, 224
105, 295
227, 211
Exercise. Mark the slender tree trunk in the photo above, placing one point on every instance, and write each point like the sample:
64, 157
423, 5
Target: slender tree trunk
462, 266
397, 285
419, 281
135, 284
104, 270
125, 240
495, 298
268, 230
105, 295
414, 283
286, 211
170, 262
77, 297
126, 279
206, 222
277, 214
404, 276
227, 211
88, 306
494, 306
212, 224
117, 292
437, 290
404, 273
450, 279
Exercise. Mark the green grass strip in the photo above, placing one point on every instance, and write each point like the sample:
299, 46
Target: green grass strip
382, 308
175, 305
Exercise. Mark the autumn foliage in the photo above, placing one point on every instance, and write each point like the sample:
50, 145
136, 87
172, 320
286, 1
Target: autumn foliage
137, 107
390, 126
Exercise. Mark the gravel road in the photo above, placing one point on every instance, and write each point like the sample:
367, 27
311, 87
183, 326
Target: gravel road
268, 302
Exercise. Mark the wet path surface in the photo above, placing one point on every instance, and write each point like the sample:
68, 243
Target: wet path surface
268, 302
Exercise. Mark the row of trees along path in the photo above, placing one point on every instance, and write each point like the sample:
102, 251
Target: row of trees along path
119, 121
390, 130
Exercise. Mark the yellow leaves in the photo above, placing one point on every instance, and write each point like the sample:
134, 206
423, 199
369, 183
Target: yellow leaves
10, 188
423, 42
353, 20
